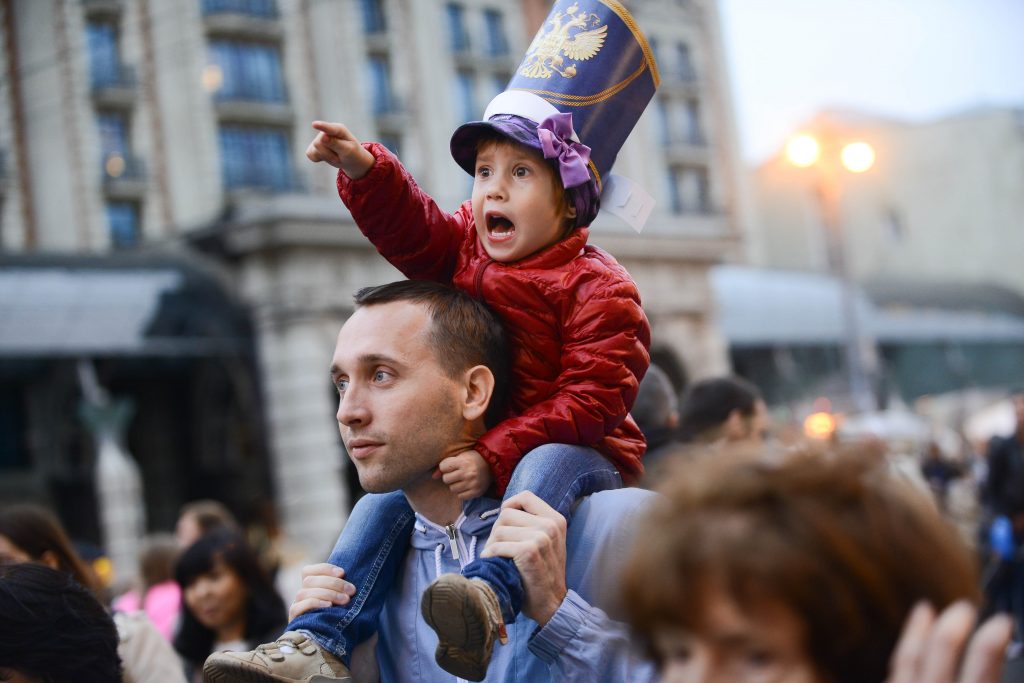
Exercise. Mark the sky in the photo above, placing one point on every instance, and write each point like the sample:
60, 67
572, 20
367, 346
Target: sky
913, 60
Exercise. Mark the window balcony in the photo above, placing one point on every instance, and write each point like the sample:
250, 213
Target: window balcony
113, 84
124, 175
242, 18
102, 8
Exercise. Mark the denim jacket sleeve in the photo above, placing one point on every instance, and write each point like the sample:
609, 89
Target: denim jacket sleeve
581, 643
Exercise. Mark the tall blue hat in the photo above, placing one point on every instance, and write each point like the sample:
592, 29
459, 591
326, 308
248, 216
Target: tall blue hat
589, 59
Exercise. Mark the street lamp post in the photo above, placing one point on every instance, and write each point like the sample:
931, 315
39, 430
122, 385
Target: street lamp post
805, 151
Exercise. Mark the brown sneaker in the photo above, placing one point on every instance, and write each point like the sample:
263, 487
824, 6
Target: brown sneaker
467, 618
292, 658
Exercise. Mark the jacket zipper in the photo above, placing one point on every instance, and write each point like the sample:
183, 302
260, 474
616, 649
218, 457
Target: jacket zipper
452, 541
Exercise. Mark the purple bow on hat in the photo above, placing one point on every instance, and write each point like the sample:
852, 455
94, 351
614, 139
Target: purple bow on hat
555, 133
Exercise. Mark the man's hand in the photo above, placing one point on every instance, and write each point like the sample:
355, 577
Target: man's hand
322, 586
929, 648
339, 148
467, 474
532, 534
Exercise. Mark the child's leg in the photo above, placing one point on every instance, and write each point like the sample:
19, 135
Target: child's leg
371, 549
560, 475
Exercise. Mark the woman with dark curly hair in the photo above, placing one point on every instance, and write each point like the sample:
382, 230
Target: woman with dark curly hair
229, 600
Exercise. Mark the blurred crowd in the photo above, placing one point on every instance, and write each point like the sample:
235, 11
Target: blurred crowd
736, 540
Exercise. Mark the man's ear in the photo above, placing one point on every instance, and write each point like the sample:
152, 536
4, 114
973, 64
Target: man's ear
479, 388
50, 559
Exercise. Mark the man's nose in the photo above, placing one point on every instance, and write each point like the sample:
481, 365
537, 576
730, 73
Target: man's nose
352, 408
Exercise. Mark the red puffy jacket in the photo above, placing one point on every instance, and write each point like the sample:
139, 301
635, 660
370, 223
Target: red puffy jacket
578, 335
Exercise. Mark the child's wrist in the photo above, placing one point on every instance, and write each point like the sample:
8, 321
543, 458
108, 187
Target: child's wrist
360, 164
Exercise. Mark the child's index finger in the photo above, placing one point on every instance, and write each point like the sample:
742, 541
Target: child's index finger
335, 130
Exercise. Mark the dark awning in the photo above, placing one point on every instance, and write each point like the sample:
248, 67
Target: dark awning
117, 305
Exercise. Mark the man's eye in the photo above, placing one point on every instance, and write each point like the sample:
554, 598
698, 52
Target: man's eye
341, 385
381, 376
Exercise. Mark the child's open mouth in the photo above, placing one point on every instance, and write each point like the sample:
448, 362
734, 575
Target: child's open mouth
499, 228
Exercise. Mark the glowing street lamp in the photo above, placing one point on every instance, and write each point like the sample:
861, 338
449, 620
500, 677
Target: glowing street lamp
806, 151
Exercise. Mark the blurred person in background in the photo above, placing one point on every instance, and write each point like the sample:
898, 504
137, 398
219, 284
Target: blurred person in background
656, 412
723, 410
31, 533
53, 629
229, 600
1004, 494
157, 594
807, 568
200, 517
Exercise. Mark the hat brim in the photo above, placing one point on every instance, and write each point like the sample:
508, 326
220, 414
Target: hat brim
467, 136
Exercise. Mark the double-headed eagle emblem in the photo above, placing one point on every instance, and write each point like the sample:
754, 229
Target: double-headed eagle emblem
545, 55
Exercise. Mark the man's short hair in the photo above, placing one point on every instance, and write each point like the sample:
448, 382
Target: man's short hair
464, 332
708, 403
656, 404
53, 629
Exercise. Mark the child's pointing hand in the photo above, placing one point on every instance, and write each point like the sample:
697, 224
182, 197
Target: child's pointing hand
339, 148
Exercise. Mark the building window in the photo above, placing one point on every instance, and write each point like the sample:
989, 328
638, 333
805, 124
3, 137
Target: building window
895, 226
264, 9
373, 17
684, 64
381, 96
664, 129
457, 32
692, 130
104, 54
464, 86
689, 190
123, 221
497, 44
249, 71
255, 157
113, 133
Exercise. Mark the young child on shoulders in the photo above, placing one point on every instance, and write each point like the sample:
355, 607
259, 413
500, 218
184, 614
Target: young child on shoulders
578, 335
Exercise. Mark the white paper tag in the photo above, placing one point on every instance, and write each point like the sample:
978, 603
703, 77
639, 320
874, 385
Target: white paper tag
624, 198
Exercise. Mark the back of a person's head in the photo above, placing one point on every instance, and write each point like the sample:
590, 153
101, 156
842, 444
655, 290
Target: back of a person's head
38, 533
464, 332
656, 405
210, 515
707, 404
157, 556
837, 538
53, 629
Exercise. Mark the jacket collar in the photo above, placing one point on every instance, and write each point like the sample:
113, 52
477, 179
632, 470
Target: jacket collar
477, 518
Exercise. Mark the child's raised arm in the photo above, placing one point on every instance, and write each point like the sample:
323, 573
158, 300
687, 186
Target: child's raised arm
336, 145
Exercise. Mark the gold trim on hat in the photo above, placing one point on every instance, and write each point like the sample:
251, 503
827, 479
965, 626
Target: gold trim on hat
586, 100
630, 23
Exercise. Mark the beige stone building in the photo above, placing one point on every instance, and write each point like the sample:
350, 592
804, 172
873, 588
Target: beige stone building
170, 134
943, 201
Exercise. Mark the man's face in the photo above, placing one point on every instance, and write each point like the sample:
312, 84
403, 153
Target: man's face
398, 412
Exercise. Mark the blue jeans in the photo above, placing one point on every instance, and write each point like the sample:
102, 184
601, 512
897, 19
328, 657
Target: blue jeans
559, 474
373, 545
371, 550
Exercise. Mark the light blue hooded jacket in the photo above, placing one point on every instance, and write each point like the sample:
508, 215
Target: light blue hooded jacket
579, 643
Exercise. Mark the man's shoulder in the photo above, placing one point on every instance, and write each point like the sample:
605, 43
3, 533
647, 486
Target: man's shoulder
611, 510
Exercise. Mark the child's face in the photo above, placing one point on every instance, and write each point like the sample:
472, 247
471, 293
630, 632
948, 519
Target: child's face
518, 202
761, 646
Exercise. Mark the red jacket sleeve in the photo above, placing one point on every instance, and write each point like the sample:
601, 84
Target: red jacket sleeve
402, 221
604, 356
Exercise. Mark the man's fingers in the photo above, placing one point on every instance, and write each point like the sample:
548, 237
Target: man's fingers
328, 583
302, 606
322, 569
983, 662
946, 642
528, 501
